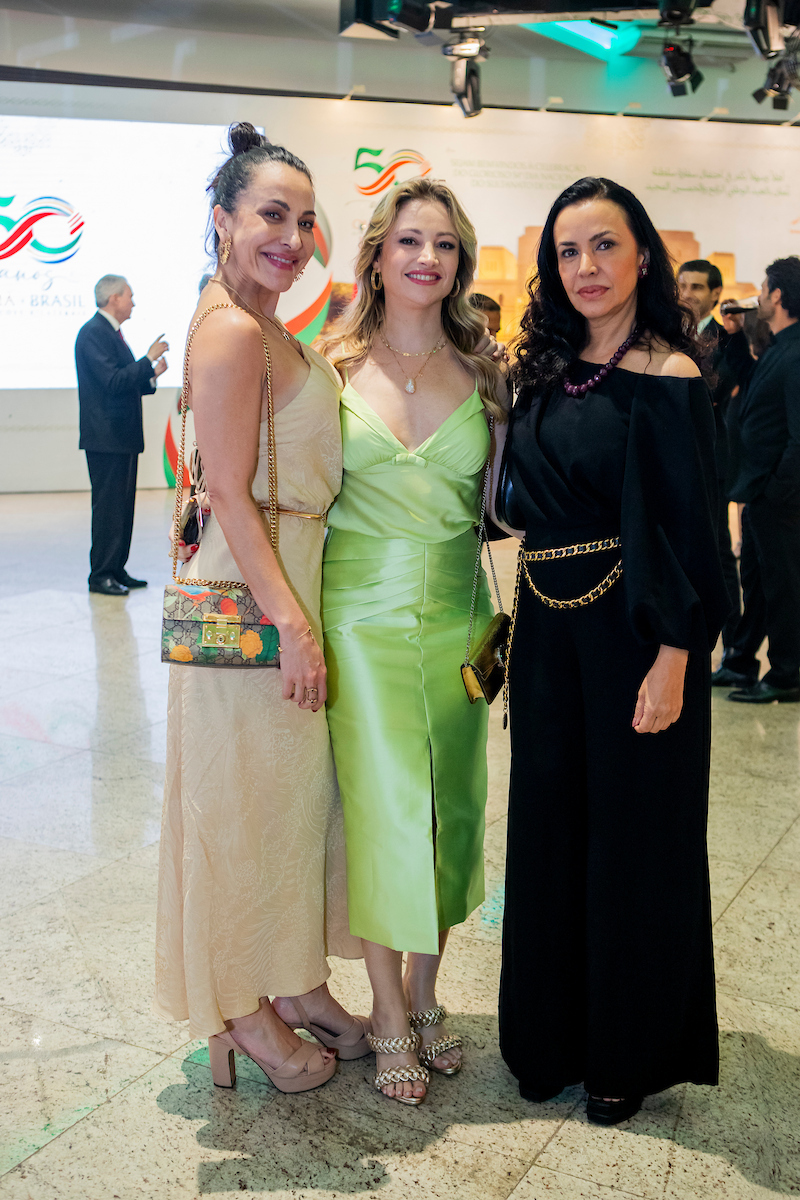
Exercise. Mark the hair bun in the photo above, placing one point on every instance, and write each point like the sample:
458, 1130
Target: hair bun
243, 137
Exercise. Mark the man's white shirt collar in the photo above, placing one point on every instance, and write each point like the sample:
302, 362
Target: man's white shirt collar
114, 323
700, 324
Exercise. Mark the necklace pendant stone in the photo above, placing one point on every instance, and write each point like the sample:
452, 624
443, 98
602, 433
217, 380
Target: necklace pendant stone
411, 386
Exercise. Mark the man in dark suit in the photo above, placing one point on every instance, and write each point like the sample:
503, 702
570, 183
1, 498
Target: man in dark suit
768, 483
700, 287
110, 389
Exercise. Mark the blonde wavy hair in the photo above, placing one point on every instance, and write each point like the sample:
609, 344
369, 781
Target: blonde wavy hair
350, 339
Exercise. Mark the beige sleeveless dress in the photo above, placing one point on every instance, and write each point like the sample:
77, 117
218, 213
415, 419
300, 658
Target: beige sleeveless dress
252, 887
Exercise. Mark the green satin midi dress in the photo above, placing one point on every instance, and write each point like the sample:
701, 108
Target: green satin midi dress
409, 748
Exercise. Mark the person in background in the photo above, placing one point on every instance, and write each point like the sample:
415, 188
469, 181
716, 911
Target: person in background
491, 311
699, 288
110, 389
768, 483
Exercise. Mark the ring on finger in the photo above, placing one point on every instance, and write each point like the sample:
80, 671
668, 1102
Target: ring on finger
311, 694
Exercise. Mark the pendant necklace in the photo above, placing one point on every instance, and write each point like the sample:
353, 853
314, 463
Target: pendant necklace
580, 389
411, 380
254, 312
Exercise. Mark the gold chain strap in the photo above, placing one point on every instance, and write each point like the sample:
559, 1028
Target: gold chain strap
272, 468
514, 609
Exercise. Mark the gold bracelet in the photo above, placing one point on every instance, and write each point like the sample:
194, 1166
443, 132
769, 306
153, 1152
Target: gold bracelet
297, 639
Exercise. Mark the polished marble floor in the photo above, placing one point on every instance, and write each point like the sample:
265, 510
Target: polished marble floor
101, 1100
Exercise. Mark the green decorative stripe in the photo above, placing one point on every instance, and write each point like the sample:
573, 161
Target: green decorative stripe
312, 331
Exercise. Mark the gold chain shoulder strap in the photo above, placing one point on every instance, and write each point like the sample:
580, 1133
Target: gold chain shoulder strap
272, 469
482, 537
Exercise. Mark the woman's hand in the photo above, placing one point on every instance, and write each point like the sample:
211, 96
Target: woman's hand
660, 699
487, 347
185, 553
303, 669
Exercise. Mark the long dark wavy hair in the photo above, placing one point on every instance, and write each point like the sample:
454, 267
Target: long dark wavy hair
553, 332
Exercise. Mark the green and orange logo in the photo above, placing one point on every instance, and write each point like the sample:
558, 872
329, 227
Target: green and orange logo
366, 159
44, 221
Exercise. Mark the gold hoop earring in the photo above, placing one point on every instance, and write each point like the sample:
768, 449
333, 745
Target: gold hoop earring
299, 275
376, 280
224, 251
456, 289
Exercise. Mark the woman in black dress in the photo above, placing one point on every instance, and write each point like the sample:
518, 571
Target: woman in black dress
608, 973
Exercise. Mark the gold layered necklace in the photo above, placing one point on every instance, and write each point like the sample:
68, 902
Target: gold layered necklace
254, 311
411, 380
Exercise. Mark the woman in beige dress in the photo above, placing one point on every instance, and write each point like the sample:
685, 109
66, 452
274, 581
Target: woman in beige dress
252, 877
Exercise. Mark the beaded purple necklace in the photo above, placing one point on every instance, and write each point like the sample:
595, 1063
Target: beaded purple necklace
580, 389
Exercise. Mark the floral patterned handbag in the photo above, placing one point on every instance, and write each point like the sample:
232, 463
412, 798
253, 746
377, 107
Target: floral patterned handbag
217, 623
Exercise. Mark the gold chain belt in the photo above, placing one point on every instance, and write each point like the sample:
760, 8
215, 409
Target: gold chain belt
526, 556
289, 512
596, 592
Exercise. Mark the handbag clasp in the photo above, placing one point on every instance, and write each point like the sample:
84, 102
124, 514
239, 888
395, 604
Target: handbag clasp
221, 630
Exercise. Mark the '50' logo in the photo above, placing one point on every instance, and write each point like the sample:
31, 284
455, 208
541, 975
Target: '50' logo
365, 160
45, 220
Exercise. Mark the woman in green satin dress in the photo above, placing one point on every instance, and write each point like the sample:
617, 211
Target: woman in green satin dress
410, 750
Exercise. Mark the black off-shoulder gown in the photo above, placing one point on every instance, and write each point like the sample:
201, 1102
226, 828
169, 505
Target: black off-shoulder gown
608, 974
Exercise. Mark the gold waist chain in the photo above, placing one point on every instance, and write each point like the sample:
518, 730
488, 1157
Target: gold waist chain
528, 556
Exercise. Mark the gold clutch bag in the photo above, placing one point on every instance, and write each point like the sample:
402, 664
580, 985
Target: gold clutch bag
484, 672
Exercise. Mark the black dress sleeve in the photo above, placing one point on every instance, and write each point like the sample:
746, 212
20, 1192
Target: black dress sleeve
674, 588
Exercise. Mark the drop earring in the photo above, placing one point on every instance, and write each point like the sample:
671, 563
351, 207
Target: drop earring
376, 280
224, 251
644, 269
457, 288
299, 275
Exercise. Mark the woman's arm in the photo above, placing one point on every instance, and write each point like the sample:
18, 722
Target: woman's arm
499, 436
226, 376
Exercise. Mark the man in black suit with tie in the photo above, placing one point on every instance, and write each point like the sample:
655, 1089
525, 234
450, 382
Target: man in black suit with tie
110, 389
768, 483
700, 287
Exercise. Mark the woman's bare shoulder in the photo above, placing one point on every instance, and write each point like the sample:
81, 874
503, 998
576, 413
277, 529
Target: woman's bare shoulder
659, 358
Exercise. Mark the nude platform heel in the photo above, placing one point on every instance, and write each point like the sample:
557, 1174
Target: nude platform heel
348, 1045
301, 1072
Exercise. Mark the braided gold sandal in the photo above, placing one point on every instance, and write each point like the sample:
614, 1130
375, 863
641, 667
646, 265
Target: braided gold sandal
399, 1045
435, 1016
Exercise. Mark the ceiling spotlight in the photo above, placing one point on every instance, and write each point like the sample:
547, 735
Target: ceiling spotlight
763, 20
413, 16
781, 77
465, 84
678, 66
465, 51
676, 12
469, 45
